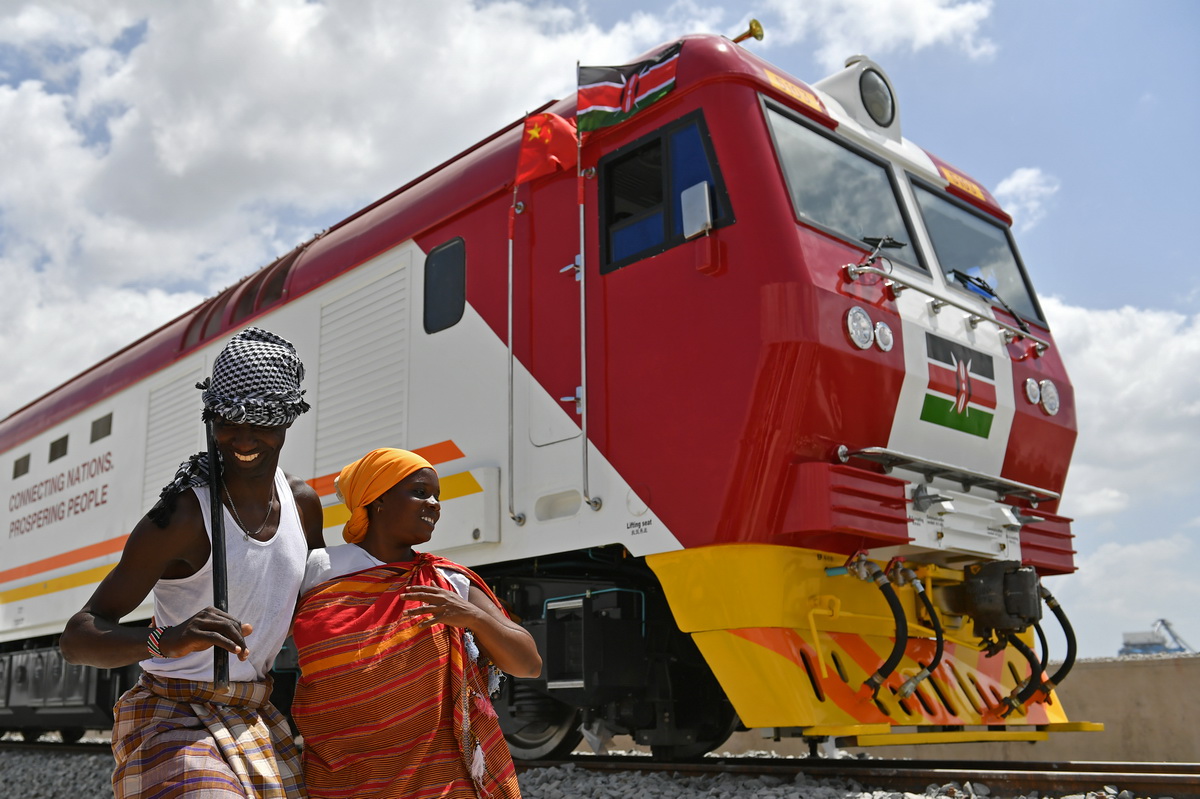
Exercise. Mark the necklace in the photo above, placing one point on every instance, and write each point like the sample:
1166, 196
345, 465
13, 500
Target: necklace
246, 530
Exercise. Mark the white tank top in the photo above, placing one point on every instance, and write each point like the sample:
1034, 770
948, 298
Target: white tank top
264, 578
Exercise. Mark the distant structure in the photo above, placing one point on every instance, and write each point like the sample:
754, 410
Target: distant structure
1155, 641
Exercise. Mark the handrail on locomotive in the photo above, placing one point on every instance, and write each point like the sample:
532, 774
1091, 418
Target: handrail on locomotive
896, 284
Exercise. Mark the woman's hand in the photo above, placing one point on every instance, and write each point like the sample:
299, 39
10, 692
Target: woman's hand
506, 643
440, 607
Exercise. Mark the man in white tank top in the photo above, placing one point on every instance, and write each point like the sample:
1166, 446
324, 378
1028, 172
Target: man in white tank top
176, 732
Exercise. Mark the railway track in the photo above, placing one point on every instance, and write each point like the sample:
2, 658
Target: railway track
1176, 780
55, 747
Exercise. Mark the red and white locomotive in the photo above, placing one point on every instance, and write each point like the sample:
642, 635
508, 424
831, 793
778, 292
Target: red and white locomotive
781, 445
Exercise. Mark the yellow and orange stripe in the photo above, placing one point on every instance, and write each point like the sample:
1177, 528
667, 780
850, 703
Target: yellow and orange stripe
454, 485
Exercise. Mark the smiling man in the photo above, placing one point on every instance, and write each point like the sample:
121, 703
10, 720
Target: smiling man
177, 732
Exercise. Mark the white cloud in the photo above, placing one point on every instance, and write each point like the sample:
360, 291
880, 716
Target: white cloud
1135, 373
1123, 588
1136, 379
59, 332
217, 136
62, 23
844, 27
1025, 194
1094, 497
182, 145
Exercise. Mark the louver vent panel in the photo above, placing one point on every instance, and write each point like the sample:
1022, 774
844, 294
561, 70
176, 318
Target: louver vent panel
174, 431
363, 376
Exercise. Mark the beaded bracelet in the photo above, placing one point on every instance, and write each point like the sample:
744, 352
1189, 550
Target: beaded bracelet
152, 643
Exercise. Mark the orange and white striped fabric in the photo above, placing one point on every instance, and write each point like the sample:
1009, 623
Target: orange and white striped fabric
386, 707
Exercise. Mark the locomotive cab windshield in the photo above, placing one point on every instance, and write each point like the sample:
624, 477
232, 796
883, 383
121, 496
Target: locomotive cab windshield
967, 243
840, 190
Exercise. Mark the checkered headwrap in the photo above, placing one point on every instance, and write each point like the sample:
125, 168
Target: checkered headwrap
255, 380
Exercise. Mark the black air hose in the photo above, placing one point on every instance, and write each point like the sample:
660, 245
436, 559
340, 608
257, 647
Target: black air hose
1068, 633
1018, 699
911, 684
1045, 647
889, 593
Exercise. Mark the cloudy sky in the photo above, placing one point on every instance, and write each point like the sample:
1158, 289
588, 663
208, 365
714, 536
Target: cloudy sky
154, 153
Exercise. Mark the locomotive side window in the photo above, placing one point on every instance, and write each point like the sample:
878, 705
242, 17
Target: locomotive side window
21, 466
245, 303
192, 337
272, 289
839, 189
215, 317
445, 285
967, 243
102, 427
634, 210
641, 188
58, 448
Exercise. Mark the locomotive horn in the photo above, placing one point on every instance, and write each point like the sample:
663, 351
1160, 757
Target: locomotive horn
755, 30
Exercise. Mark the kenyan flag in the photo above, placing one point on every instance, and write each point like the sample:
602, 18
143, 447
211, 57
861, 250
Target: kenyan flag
608, 95
962, 387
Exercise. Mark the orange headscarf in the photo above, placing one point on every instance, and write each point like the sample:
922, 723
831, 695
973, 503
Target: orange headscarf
367, 479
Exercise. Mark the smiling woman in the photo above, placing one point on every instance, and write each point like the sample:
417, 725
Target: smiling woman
399, 650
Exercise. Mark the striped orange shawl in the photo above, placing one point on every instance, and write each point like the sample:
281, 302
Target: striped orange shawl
387, 708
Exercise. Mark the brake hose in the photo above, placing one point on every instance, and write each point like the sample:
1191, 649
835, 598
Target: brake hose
1016, 700
1045, 647
901, 643
1068, 633
1035, 685
910, 684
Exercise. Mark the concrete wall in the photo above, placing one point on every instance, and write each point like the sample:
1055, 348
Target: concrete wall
1150, 708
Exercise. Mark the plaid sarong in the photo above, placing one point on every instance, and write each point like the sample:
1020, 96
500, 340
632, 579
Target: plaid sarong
386, 707
180, 738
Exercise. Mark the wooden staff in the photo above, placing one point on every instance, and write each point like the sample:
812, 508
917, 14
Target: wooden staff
220, 582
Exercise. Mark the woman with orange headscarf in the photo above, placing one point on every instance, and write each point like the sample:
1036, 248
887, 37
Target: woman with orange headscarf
399, 651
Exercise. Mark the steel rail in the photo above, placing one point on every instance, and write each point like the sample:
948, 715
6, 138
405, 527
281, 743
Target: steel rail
1003, 778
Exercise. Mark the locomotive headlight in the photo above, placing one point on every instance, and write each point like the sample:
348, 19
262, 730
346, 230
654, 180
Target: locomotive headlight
1049, 397
1033, 392
883, 336
877, 97
859, 326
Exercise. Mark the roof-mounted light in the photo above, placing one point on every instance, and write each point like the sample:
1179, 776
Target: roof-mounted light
877, 97
865, 94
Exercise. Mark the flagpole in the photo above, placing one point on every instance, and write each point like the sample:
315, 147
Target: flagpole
519, 518
593, 502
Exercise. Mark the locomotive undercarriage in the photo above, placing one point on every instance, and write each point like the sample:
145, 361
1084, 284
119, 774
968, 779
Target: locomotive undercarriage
792, 641
615, 662
820, 645
40, 692
784, 639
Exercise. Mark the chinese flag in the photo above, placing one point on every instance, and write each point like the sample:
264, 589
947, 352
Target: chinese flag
547, 145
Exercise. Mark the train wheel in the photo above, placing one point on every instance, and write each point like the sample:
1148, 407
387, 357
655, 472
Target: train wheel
701, 715
711, 732
71, 735
31, 735
540, 727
